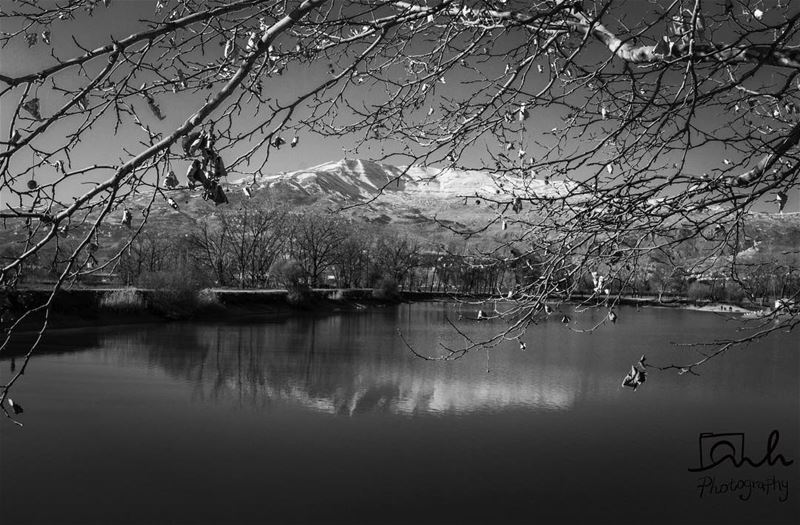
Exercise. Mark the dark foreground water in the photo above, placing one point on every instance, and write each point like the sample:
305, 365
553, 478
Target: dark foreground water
330, 419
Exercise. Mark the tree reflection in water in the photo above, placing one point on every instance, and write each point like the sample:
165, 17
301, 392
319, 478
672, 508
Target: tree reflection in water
343, 364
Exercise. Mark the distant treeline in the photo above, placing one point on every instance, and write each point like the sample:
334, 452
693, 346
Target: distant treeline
258, 246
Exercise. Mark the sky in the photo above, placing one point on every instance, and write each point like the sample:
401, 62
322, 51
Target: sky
123, 17
118, 21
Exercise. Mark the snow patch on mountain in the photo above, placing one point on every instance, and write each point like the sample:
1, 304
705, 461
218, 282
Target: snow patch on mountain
356, 180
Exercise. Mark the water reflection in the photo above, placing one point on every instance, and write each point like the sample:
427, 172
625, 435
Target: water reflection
345, 365
355, 363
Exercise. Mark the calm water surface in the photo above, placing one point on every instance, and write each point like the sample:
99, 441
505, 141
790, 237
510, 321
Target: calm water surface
331, 419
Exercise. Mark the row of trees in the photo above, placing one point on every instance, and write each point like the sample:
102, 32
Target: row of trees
258, 244
255, 246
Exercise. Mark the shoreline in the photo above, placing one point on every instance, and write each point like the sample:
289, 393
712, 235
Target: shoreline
76, 308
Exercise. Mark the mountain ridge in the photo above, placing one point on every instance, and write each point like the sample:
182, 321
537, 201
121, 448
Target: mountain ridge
418, 200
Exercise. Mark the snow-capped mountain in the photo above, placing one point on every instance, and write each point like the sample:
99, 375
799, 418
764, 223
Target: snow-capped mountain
351, 181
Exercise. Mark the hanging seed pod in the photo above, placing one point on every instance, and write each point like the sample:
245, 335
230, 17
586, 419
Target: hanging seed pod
172, 203
637, 375
509, 146
218, 195
252, 42
781, 198
193, 175
181, 79
610, 169
758, 14
209, 178
32, 107
155, 109
210, 140
604, 112
59, 166
663, 47
31, 39
46, 36
247, 192
188, 140
171, 180
294, 142
539, 68
198, 143
16, 136
32, 184
219, 168
230, 48
127, 216
504, 225
430, 111
278, 141
16, 407
152, 103
522, 114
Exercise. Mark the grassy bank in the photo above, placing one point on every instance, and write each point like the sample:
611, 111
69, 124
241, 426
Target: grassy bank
85, 306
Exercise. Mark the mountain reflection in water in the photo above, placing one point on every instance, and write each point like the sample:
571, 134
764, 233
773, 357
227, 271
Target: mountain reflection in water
338, 365
355, 363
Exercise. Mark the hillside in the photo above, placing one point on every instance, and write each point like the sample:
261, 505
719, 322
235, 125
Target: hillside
395, 194
417, 200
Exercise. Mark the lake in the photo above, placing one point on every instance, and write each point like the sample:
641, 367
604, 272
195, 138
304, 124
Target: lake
330, 418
